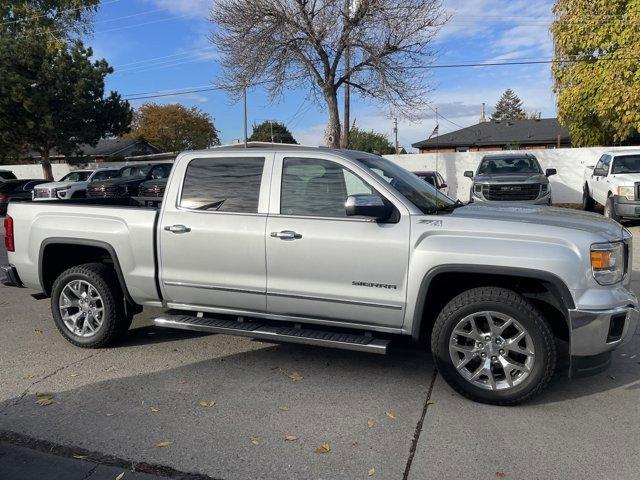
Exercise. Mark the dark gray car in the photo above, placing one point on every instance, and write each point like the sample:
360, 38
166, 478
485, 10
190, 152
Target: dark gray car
511, 177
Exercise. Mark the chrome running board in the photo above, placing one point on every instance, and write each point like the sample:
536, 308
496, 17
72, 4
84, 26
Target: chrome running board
257, 329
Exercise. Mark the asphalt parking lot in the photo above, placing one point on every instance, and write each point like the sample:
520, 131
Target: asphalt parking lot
268, 409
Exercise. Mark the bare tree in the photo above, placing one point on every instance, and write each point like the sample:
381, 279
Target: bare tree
289, 43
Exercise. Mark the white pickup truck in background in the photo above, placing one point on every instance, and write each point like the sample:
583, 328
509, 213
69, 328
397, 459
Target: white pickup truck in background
613, 183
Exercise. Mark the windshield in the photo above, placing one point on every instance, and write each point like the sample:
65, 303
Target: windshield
7, 176
417, 191
497, 165
626, 164
76, 177
104, 175
134, 171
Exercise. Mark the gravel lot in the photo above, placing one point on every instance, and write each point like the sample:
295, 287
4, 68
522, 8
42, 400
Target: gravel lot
115, 405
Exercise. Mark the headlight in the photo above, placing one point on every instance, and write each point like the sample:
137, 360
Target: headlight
61, 193
627, 192
544, 188
477, 190
607, 262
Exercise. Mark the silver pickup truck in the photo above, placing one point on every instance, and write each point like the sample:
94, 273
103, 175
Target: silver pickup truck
342, 249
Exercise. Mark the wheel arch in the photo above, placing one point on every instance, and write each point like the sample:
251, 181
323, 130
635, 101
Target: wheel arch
50, 265
547, 291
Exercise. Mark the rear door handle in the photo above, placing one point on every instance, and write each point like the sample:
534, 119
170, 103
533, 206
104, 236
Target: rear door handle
286, 235
177, 229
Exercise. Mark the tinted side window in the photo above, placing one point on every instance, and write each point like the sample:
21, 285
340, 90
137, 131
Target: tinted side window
223, 184
316, 187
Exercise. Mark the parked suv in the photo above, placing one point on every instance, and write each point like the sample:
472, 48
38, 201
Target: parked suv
128, 181
434, 179
511, 177
14, 190
73, 184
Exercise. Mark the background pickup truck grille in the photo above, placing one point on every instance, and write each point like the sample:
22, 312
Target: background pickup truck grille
156, 191
511, 192
102, 191
44, 193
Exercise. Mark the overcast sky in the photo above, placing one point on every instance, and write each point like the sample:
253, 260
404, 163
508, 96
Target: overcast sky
157, 45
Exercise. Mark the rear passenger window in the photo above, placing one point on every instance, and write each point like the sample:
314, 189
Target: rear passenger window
223, 184
316, 187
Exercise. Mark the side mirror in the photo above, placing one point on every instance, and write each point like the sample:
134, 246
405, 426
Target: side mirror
364, 205
444, 185
468, 174
550, 171
599, 172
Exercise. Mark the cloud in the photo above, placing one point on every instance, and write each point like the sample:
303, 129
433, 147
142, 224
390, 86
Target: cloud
193, 8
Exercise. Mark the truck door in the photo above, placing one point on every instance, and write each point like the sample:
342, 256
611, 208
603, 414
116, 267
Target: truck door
323, 264
212, 233
600, 182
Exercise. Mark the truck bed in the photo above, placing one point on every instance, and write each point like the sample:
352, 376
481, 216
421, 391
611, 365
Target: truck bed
127, 228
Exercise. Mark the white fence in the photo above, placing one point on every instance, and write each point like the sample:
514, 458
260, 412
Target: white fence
566, 186
35, 170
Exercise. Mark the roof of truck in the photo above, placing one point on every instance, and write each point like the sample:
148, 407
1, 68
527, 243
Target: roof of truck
259, 147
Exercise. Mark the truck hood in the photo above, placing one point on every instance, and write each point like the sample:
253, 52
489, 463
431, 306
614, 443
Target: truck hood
626, 178
511, 178
544, 215
52, 185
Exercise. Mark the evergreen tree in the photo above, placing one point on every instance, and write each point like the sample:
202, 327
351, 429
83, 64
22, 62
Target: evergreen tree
372, 142
509, 107
269, 131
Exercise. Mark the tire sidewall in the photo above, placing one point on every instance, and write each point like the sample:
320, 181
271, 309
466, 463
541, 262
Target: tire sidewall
109, 313
450, 373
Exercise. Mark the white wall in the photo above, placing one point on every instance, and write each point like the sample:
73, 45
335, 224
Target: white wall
566, 186
35, 170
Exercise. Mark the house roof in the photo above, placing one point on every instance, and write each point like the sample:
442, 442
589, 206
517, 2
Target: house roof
522, 132
107, 147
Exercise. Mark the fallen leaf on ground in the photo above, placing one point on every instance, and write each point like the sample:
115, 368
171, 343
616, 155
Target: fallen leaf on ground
500, 474
255, 440
78, 456
110, 414
205, 404
290, 438
430, 402
323, 448
284, 408
391, 415
38, 331
154, 409
295, 376
372, 472
164, 444
44, 399
371, 423
28, 377
73, 375
120, 477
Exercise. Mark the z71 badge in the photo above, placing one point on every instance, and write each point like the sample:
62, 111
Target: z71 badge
388, 286
433, 223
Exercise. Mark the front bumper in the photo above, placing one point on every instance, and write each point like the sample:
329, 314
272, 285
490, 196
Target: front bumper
625, 207
12, 279
596, 333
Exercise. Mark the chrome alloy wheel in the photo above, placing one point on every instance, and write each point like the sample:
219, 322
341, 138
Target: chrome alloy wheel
81, 308
491, 350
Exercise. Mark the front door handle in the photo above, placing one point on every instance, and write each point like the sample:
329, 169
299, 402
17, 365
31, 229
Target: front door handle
177, 229
286, 235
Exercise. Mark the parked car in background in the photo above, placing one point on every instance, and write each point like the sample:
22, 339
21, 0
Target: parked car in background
128, 180
16, 189
511, 177
7, 175
73, 184
434, 179
614, 182
283, 243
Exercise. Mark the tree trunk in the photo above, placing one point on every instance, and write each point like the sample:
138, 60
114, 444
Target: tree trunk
332, 132
46, 165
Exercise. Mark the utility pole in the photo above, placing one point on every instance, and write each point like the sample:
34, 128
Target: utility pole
344, 141
271, 125
245, 115
395, 131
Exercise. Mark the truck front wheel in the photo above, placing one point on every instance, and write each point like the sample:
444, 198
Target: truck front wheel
87, 306
493, 346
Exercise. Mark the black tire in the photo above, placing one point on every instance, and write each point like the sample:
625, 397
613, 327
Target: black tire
114, 320
588, 203
610, 209
509, 303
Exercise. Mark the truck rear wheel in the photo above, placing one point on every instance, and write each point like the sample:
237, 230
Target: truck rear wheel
87, 306
493, 346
